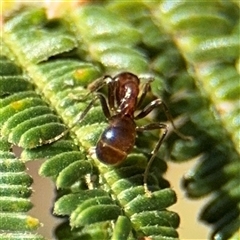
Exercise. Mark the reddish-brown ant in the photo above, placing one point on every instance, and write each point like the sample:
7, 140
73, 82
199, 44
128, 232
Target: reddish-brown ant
123, 100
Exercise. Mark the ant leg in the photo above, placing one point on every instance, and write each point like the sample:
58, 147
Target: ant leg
82, 115
145, 90
154, 104
99, 83
152, 126
111, 94
104, 105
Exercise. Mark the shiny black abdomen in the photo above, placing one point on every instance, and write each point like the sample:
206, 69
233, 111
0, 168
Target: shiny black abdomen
117, 140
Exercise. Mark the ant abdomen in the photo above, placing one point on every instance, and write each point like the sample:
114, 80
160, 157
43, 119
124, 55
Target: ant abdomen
117, 141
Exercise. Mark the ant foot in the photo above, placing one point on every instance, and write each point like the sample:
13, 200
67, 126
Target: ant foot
147, 191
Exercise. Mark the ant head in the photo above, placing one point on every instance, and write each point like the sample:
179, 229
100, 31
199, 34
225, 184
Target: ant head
125, 76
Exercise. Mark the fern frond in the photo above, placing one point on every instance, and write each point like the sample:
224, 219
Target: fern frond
15, 183
62, 81
61, 57
15, 191
210, 55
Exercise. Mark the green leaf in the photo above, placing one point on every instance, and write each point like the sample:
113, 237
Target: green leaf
48, 151
156, 201
15, 201
20, 236
11, 165
37, 135
122, 228
17, 191
7, 68
12, 84
13, 222
92, 214
17, 106
68, 203
152, 218
15, 178
38, 44
59, 162
13, 204
73, 173
108, 27
110, 40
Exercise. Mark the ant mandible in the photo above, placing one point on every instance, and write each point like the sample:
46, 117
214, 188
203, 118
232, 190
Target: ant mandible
123, 100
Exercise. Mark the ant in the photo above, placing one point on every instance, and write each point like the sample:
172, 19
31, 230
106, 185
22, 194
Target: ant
123, 100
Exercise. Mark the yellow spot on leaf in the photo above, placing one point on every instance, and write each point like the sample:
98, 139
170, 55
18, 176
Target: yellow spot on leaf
32, 222
17, 105
80, 74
